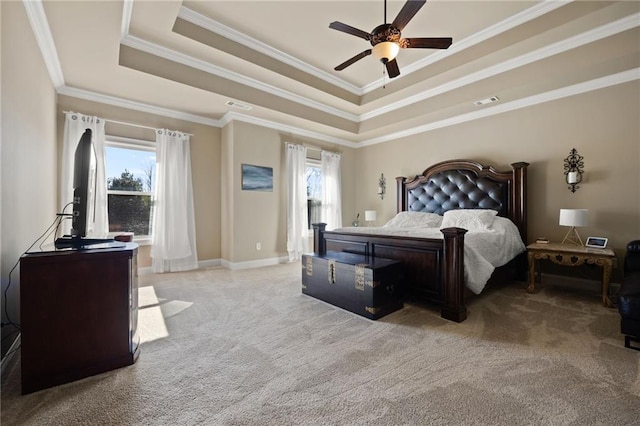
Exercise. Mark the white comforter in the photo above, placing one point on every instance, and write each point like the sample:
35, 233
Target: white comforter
483, 250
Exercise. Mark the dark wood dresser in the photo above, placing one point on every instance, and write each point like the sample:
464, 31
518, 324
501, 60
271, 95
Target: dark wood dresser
79, 313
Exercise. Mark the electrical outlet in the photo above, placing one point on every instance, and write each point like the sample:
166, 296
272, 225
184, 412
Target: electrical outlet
258, 246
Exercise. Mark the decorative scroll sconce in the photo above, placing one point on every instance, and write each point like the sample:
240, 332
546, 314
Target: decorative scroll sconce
573, 169
382, 186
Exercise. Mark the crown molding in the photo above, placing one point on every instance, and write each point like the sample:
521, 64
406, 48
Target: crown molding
127, 12
259, 46
603, 31
606, 30
136, 106
574, 42
42, 32
226, 119
170, 54
285, 128
576, 89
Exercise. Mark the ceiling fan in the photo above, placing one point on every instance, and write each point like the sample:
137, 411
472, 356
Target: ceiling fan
386, 39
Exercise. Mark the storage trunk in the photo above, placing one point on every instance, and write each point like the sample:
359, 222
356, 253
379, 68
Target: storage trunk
367, 286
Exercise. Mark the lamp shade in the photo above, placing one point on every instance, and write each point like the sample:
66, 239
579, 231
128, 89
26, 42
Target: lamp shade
370, 215
573, 217
386, 50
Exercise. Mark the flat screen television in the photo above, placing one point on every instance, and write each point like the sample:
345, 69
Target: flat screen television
84, 196
83, 186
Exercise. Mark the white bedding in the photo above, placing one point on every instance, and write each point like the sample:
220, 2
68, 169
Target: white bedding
484, 250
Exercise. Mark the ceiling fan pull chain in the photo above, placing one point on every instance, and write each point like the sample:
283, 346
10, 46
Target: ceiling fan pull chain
384, 75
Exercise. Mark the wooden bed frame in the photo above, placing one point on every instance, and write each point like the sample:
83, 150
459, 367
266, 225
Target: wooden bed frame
434, 268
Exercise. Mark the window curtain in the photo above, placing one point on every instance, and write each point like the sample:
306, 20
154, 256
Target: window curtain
297, 222
331, 212
173, 246
74, 126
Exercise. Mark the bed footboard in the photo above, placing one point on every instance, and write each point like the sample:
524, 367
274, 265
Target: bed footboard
433, 268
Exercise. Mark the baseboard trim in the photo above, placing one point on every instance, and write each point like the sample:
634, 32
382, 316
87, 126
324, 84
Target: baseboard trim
234, 266
209, 263
8, 358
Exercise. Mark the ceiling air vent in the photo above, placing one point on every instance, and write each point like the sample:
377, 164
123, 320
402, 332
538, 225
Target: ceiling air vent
238, 105
486, 101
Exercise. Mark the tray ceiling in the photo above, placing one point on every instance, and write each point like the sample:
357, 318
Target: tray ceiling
190, 58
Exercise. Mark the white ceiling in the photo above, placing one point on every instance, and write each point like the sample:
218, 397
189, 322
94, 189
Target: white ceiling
187, 59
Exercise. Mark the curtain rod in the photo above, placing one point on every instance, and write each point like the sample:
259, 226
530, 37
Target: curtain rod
107, 120
317, 148
309, 147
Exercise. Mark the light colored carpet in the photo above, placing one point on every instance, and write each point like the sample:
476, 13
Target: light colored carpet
246, 347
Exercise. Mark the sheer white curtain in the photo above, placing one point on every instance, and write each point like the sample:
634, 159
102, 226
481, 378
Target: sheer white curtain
331, 212
173, 246
74, 126
297, 222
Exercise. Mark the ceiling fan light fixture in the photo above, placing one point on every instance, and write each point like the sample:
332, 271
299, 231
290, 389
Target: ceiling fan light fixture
386, 39
386, 51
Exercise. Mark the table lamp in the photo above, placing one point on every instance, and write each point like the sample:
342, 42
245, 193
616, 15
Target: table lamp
370, 216
573, 218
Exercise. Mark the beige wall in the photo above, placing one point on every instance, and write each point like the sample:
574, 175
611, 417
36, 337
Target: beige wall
205, 163
602, 125
260, 217
27, 150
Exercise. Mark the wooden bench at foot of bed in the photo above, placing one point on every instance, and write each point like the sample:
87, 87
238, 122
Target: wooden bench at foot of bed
367, 286
433, 269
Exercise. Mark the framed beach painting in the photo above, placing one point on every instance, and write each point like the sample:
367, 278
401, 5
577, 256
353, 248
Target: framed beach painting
257, 178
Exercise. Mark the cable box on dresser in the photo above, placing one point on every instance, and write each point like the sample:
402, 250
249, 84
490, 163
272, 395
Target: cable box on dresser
364, 285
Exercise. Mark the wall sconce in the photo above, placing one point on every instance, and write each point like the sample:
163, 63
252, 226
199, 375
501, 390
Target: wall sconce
382, 186
573, 218
573, 169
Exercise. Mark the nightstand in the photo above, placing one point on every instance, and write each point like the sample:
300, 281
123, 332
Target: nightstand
570, 255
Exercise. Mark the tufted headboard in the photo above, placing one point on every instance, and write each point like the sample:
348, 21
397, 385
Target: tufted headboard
465, 184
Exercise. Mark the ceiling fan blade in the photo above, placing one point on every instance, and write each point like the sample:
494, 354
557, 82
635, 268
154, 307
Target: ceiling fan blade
426, 43
410, 8
349, 30
353, 60
392, 68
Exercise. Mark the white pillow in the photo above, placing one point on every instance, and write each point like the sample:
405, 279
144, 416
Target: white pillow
469, 219
415, 219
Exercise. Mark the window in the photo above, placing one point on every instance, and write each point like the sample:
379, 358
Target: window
314, 191
130, 170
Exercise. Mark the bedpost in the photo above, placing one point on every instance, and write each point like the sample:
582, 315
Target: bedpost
402, 194
454, 308
519, 200
520, 213
319, 243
